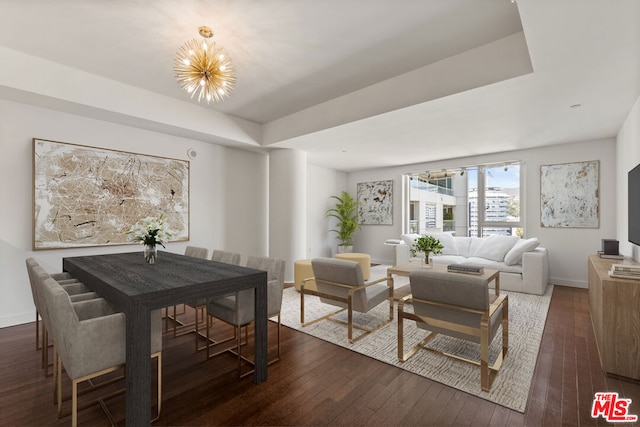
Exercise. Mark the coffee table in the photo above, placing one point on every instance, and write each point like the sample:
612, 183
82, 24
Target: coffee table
406, 269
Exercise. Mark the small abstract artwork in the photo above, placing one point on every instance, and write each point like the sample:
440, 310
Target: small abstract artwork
375, 202
86, 196
569, 195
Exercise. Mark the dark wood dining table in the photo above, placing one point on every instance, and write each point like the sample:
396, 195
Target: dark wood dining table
137, 288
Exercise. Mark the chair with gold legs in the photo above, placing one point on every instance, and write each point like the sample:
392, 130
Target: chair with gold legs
238, 310
180, 328
71, 285
76, 290
89, 341
225, 257
460, 306
340, 283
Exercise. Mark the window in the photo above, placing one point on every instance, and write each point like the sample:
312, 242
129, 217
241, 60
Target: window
449, 200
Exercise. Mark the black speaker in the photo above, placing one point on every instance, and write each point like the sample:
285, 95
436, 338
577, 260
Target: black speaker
610, 246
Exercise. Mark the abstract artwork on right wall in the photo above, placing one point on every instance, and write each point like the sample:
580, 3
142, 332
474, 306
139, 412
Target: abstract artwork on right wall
569, 195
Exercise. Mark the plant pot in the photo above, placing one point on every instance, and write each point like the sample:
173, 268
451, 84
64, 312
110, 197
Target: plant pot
343, 249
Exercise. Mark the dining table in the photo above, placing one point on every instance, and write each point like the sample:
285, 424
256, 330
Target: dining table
136, 288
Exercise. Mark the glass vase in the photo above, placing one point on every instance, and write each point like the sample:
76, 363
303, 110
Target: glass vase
426, 260
150, 254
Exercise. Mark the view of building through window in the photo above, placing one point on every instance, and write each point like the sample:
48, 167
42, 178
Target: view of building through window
449, 200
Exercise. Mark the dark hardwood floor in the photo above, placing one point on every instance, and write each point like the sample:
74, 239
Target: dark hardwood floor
317, 383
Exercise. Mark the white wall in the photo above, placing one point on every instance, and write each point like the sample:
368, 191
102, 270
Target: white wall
322, 183
227, 200
287, 206
568, 248
628, 156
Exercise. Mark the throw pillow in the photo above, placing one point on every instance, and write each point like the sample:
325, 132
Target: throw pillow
514, 256
495, 247
446, 240
409, 238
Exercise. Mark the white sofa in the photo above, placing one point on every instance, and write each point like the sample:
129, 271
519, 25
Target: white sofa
523, 264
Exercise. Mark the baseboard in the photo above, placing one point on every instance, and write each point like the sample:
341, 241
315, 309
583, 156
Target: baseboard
17, 319
569, 283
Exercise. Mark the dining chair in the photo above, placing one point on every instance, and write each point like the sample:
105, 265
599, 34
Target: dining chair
89, 341
225, 256
340, 283
179, 327
77, 291
39, 276
217, 255
459, 306
238, 310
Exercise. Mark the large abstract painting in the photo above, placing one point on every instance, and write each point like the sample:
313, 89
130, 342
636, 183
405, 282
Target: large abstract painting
375, 202
569, 195
86, 196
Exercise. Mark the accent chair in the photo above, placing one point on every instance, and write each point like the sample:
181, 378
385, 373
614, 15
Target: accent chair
340, 283
457, 305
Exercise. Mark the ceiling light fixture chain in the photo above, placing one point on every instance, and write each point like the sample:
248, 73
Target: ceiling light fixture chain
203, 68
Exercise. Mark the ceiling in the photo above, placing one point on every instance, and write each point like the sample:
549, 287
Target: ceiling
357, 84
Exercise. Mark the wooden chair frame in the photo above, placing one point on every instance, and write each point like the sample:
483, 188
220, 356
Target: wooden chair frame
487, 372
349, 301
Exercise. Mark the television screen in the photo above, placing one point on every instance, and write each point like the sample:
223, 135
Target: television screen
634, 205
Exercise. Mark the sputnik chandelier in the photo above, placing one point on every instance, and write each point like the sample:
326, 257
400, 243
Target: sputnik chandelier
205, 69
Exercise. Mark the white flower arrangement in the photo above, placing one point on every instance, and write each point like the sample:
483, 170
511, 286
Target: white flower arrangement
151, 231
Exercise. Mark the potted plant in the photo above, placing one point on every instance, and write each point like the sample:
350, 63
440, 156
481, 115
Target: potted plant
426, 245
346, 212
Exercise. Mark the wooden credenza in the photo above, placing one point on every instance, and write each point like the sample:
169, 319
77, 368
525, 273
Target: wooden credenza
615, 313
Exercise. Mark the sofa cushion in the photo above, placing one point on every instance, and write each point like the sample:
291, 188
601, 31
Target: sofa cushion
448, 259
474, 245
447, 242
514, 256
409, 238
462, 245
495, 247
500, 266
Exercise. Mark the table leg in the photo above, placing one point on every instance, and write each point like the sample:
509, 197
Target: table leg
260, 351
138, 368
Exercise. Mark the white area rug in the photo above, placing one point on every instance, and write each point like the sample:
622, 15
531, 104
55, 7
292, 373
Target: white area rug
527, 317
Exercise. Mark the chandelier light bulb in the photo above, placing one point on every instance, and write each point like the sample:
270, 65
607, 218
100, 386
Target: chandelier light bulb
202, 68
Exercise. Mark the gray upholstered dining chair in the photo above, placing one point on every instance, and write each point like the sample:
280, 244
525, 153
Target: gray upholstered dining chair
217, 255
71, 285
39, 277
238, 310
180, 328
225, 256
77, 291
89, 341
457, 305
340, 283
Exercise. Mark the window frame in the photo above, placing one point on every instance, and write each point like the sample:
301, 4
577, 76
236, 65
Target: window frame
482, 222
